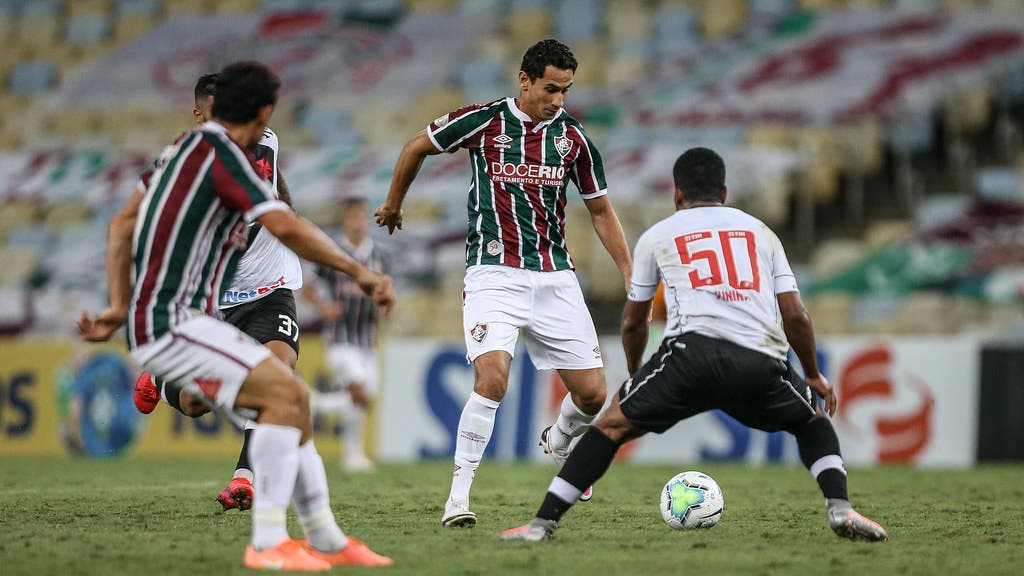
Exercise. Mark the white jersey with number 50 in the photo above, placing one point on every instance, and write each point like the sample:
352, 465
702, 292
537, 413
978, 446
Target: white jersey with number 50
722, 270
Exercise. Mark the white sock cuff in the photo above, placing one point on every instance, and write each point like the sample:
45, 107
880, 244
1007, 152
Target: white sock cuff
570, 410
487, 402
826, 462
565, 491
276, 516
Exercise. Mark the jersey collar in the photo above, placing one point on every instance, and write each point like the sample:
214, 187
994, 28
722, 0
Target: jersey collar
525, 118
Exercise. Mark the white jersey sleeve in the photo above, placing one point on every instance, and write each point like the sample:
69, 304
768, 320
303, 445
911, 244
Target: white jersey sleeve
644, 282
782, 272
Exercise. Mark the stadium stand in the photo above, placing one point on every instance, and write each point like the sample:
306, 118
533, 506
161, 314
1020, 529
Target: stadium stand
923, 128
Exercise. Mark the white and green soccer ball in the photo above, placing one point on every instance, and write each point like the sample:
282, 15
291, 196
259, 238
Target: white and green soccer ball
691, 500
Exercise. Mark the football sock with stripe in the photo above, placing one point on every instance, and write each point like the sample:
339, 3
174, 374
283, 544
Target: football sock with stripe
475, 427
819, 451
274, 453
312, 502
588, 461
243, 469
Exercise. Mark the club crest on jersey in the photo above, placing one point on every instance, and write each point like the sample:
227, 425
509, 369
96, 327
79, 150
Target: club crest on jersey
479, 332
494, 248
563, 145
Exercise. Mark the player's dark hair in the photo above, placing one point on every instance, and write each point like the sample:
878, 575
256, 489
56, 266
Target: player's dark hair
700, 174
546, 52
206, 87
242, 89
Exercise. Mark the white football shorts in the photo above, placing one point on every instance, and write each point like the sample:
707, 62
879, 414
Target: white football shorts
500, 300
352, 364
209, 357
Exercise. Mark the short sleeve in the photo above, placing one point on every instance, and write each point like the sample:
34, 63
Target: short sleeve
588, 170
782, 273
644, 283
456, 129
237, 184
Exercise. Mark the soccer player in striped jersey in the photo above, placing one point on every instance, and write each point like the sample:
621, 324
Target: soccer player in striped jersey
259, 302
167, 285
733, 312
350, 331
524, 152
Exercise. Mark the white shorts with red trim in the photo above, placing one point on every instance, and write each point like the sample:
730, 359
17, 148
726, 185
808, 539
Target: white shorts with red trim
208, 357
501, 300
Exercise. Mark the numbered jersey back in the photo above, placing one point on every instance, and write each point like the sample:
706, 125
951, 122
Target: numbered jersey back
722, 269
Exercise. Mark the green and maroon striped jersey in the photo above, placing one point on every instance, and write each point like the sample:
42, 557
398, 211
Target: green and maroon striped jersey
517, 194
186, 241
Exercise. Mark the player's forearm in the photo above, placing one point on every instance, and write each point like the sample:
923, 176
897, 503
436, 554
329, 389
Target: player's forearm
800, 334
119, 252
634, 333
312, 244
283, 192
609, 230
406, 168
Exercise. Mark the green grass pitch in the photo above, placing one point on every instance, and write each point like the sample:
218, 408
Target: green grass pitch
158, 516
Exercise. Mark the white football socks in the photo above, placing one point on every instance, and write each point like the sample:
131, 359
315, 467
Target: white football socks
571, 422
274, 454
355, 421
313, 502
475, 427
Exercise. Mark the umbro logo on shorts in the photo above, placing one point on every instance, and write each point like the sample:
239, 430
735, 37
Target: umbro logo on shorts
479, 332
597, 352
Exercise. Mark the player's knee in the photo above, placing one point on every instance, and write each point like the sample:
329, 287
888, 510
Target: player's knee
491, 387
191, 405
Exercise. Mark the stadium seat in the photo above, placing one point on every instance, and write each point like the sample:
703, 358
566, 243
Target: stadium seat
87, 29
885, 232
484, 78
628, 21
150, 8
999, 184
834, 256
236, 6
80, 7
18, 263
131, 26
579, 20
41, 8
524, 27
430, 5
38, 30
831, 312
33, 77
720, 18
189, 7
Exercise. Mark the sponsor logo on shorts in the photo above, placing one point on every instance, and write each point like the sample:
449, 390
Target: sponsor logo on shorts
479, 332
494, 248
563, 145
238, 296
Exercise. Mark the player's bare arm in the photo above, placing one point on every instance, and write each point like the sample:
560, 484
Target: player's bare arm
800, 334
609, 230
119, 262
410, 160
283, 192
329, 310
634, 332
311, 243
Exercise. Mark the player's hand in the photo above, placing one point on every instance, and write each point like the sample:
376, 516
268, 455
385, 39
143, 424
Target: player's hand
378, 287
103, 326
820, 385
390, 217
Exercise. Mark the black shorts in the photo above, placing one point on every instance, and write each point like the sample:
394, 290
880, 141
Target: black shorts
271, 318
691, 373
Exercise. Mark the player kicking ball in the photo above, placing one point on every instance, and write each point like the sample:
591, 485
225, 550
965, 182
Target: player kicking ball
166, 285
259, 302
732, 305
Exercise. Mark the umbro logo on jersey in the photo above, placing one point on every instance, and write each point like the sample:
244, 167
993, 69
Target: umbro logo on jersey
563, 145
502, 141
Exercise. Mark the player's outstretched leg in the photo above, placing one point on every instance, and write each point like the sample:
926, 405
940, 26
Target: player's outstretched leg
324, 538
586, 463
240, 490
573, 421
819, 451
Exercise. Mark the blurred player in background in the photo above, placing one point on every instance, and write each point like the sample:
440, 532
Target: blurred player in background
732, 305
259, 302
167, 283
350, 331
524, 152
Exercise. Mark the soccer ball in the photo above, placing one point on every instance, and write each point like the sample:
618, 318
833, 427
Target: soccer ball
691, 500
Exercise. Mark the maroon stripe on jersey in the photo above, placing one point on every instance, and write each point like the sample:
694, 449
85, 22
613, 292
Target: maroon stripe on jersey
560, 216
503, 206
228, 187
214, 290
535, 155
166, 222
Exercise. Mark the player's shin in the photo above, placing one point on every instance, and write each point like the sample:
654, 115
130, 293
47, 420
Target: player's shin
475, 427
273, 452
312, 502
243, 468
819, 451
586, 464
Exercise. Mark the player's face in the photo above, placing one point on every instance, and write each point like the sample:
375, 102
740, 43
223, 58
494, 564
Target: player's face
201, 113
545, 96
356, 221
